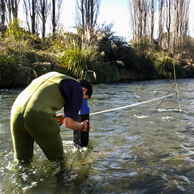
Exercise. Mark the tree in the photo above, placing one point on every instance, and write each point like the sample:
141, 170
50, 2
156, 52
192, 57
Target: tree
53, 18
168, 21
9, 10
133, 10
55, 14
14, 7
33, 16
3, 12
89, 11
43, 12
30, 7
180, 24
161, 21
152, 22
140, 19
139, 14
183, 23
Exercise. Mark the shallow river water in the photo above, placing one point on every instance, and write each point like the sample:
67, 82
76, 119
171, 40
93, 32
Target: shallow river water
138, 150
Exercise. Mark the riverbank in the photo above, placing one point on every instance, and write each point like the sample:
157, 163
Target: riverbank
103, 58
22, 76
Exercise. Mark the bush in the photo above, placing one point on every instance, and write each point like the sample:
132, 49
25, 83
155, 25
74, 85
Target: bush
106, 73
165, 68
78, 60
7, 66
15, 31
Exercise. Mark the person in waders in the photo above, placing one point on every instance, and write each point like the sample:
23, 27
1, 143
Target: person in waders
33, 114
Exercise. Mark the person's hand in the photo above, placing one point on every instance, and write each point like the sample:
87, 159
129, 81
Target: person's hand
86, 125
60, 119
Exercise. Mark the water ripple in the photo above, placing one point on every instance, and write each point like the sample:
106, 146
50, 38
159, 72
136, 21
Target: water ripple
134, 150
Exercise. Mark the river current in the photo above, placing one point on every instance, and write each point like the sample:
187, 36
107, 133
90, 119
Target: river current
138, 150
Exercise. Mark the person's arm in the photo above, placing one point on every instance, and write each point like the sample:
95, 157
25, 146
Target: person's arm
71, 124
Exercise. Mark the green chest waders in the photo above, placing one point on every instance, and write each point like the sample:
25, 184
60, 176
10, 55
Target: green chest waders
33, 118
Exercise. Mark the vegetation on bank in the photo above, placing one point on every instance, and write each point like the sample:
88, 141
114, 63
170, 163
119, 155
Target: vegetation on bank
101, 57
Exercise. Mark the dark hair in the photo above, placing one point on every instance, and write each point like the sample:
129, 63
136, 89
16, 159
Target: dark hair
86, 84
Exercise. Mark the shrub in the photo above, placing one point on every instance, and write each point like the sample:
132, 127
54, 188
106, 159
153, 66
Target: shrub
7, 65
78, 60
106, 73
16, 31
165, 68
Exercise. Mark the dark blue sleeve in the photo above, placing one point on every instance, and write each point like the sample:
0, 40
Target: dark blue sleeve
73, 95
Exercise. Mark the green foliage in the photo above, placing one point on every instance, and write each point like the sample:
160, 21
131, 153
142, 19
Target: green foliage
78, 60
9, 59
156, 61
98, 56
106, 73
30, 57
142, 46
15, 31
35, 42
63, 41
165, 68
7, 65
19, 37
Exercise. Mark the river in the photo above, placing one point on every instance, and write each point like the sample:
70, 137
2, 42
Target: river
138, 149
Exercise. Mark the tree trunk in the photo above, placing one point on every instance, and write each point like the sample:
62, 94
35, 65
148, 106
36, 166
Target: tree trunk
3, 12
53, 19
168, 22
140, 21
14, 8
89, 10
33, 16
161, 22
152, 22
43, 19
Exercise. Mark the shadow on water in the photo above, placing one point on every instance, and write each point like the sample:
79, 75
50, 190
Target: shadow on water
138, 150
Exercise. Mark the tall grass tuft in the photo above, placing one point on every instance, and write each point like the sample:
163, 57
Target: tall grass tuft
78, 60
81, 57
165, 68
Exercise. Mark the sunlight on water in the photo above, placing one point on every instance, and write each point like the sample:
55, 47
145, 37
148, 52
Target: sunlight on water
133, 150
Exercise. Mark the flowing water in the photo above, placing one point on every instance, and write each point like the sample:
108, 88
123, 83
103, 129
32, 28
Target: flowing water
134, 150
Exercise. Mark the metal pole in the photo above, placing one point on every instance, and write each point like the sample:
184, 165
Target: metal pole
179, 106
165, 96
177, 93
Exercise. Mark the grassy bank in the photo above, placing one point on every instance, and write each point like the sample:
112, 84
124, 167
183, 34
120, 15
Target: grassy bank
101, 58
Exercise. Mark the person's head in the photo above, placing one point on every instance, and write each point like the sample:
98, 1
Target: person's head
87, 88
